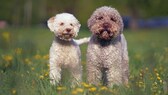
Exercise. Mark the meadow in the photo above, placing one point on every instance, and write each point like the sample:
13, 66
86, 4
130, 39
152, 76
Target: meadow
24, 64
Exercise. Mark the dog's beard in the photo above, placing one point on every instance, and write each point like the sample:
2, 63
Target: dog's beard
66, 36
105, 33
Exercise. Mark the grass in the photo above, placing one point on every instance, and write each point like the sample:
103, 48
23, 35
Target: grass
24, 64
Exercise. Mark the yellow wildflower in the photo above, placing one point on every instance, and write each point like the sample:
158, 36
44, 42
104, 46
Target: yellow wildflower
18, 50
103, 88
8, 58
158, 78
161, 81
6, 36
86, 85
60, 88
92, 89
46, 74
41, 77
27, 61
157, 74
13, 91
37, 56
79, 90
32, 68
46, 57
74, 92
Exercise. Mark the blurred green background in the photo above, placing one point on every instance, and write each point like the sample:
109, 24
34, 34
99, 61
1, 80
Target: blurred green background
37, 12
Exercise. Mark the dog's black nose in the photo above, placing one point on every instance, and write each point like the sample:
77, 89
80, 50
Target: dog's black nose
68, 30
106, 25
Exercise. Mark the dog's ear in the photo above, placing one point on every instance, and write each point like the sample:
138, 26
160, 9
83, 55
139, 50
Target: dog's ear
50, 23
78, 24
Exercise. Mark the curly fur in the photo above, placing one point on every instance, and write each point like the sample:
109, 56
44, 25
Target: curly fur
65, 51
107, 55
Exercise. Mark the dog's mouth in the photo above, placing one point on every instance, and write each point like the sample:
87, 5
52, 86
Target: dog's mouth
105, 34
66, 36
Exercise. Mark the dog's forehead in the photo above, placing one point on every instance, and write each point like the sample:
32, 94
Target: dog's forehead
65, 17
106, 11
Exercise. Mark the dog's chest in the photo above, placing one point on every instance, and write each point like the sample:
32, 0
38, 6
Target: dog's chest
67, 53
109, 55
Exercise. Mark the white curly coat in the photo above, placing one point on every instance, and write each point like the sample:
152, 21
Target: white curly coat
65, 51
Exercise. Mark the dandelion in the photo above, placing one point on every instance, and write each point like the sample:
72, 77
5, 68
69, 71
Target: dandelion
13, 91
103, 88
60, 88
46, 74
8, 58
37, 56
146, 68
79, 90
141, 84
161, 81
157, 74
32, 68
6, 36
155, 70
46, 57
27, 61
18, 50
92, 89
41, 77
86, 85
74, 92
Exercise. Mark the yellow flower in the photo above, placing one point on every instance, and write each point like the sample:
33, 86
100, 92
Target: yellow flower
60, 88
18, 50
27, 61
8, 58
86, 85
92, 89
103, 88
74, 92
161, 81
79, 90
6, 36
158, 78
13, 91
157, 74
37, 56
46, 74
32, 68
41, 77
46, 57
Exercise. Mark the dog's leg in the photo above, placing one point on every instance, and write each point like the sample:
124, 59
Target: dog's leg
125, 68
125, 60
114, 76
94, 74
55, 72
76, 72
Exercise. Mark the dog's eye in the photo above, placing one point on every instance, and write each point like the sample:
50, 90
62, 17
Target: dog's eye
71, 24
100, 18
61, 23
112, 19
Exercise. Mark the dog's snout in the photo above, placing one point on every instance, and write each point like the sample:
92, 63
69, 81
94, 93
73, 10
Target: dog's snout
68, 30
106, 25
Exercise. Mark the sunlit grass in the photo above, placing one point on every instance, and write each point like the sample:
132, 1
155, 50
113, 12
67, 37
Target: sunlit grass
24, 67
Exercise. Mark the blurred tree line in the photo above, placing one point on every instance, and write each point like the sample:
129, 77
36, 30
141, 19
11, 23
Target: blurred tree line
32, 12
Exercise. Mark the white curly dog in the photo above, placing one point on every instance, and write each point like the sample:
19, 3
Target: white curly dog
65, 51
